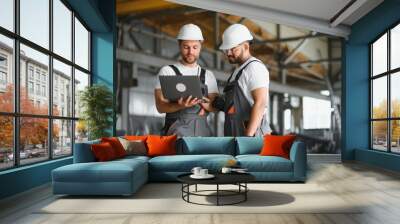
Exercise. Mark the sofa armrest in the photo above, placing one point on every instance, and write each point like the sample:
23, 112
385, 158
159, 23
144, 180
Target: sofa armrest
298, 156
83, 152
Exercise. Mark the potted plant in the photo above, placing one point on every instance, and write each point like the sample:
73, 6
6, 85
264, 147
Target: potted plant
96, 102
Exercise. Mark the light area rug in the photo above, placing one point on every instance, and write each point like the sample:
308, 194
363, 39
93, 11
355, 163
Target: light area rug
166, 198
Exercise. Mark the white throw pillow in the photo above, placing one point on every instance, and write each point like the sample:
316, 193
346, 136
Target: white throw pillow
136, 147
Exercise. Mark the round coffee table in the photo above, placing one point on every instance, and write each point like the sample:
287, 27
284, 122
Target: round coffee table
238, 179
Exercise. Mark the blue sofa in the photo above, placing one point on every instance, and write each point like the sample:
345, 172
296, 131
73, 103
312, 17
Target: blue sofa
125, 176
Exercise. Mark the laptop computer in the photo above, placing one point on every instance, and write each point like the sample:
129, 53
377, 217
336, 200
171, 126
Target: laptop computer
175, 87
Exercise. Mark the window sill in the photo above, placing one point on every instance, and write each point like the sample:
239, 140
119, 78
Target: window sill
26, 167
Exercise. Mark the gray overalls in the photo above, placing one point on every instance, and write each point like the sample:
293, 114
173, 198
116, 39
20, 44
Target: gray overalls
238, 109
188, 122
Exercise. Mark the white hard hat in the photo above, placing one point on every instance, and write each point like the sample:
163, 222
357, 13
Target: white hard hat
190, 32
234, 35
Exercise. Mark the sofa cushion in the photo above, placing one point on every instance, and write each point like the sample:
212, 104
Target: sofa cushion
248, 145
161, 145
136, 137
116, 145
134, 147
275, 145
103, 151
185, 163
257, 163
207, 145
112, 171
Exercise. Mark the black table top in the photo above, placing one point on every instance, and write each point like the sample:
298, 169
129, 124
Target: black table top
220, 178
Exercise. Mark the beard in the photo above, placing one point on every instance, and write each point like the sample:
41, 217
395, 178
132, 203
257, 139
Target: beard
236, 60
233, 60
189, 59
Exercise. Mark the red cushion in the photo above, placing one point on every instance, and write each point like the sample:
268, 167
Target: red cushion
103, 151
116, 145
161, 145
275, 145
136, 137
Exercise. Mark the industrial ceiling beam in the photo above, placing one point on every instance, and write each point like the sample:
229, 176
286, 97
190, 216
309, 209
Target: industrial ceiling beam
140, 6
267, 14
346, 11
297, 64
296, 38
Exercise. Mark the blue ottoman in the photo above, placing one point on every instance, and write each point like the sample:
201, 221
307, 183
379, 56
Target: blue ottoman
118, 177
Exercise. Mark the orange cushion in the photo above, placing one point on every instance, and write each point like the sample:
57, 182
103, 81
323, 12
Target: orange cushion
116, 145
275, 145
103, 152
161, 145
136, 137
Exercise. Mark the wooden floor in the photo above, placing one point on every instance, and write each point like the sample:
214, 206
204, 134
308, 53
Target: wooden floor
379, 189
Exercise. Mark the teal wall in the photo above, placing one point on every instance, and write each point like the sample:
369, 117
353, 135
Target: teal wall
355, 96
100, 17
24, 178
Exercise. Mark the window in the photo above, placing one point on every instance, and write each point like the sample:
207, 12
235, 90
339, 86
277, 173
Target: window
7, 14
385, 94
62, 74
3, 78
6, 73
33, 148
30, 72
3, 72
316, 119
6, 142
30, 87
81, 45
41, 82
3, 61
62, 29
44, 91
38, 89
62, 137
34, 21
37, 74
81, 81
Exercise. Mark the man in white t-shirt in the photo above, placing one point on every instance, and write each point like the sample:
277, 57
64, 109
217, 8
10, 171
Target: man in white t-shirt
246, 93
187, 117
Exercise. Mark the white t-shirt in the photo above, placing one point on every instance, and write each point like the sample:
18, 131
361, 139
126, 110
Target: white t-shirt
210, 80
254, 76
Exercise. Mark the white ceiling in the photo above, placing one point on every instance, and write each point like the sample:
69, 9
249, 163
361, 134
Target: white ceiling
320, 9
314, 15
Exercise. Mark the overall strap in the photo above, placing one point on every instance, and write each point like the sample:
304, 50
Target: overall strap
176, 70
241, 70
203, 75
